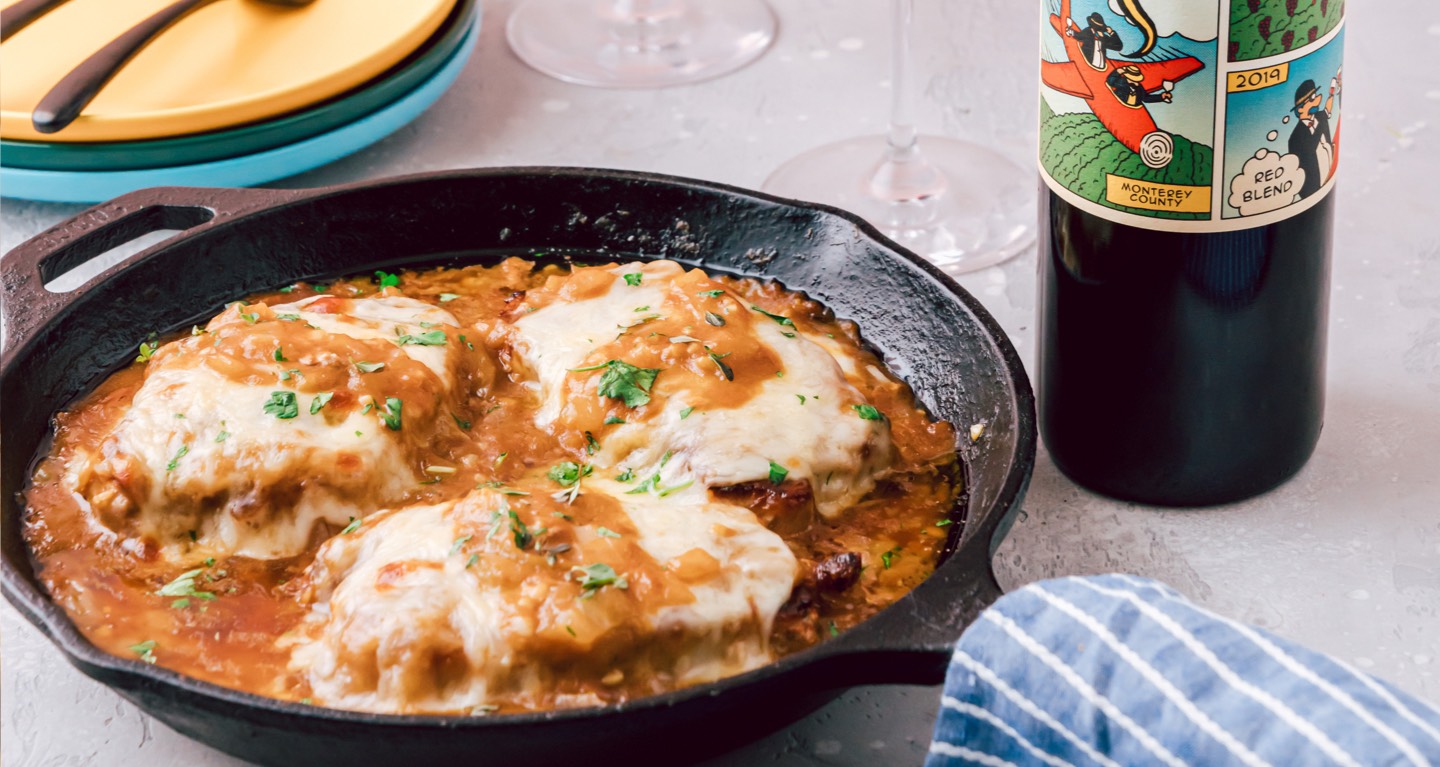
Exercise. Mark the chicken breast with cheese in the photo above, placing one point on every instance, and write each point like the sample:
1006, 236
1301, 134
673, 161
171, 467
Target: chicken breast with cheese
665, 374
512, 597
272, 419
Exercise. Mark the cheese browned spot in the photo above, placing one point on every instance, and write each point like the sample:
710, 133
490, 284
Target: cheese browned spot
497, 599
242, 438
738, 392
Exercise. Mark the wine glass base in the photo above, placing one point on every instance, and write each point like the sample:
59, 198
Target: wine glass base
681, 42
984, 216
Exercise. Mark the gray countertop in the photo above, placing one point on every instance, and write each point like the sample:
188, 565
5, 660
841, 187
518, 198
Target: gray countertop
1345, 557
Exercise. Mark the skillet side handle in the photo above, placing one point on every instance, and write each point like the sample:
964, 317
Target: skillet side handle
24, 271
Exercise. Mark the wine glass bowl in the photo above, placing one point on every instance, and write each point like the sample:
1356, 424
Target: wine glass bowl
639, 43
958, 204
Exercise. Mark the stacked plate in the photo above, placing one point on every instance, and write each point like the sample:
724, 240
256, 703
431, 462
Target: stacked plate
238, 93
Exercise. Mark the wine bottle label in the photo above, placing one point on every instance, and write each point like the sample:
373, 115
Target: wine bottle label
1191, 115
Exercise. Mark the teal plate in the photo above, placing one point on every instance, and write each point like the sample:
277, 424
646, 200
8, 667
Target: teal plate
250, 139
90, 187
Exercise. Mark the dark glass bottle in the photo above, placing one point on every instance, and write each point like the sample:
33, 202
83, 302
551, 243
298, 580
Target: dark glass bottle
1181, 369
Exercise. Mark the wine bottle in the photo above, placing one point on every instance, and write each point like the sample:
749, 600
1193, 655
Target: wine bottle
1187, 158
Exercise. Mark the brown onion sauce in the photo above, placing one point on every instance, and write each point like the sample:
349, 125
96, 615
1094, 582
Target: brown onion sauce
108, 585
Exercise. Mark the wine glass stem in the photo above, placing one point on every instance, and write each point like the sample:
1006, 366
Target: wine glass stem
900, 137
641, 25
904, 178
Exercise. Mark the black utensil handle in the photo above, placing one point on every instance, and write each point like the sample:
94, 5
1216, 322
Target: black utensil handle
75, 91
18, 16
25, 271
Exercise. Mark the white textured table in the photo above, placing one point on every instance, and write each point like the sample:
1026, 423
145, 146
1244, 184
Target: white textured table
1345, 557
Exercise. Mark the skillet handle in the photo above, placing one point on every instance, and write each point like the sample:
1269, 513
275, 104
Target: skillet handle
25, 271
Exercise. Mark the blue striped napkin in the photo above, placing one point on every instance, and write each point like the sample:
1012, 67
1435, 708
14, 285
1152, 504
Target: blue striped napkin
1117, 670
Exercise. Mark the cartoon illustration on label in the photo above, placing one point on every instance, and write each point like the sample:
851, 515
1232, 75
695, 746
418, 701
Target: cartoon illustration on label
1131, 131
1282, 130
1264, 28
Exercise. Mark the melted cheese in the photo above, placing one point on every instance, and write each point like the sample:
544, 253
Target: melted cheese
386, 318
804, 420
435, 608
199, 466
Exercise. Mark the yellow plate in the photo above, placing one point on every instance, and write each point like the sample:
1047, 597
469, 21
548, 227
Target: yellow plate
234, 62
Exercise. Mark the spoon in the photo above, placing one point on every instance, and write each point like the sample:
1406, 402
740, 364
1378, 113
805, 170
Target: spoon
75, 91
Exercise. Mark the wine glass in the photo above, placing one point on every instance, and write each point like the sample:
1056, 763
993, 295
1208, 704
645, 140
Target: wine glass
961, 206
639, 43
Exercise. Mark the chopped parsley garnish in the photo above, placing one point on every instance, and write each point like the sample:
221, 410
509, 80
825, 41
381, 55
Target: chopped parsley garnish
282, 404
147, 350
627, 475
289, 317
568, 473
711, 293
605, 532
391, 416
598, 576
428, 338
719, 360
368, 407
184, 586
354, 525
459, 544
945, 523
778, 473
468, 345
637, 323
461, 422
614, 419
446, 298
251, 318
146, 650
787, 334
715, 319
570, 630
834, 630
286, 375
178, 455
685, 413
778, 318
624, 381
591, 446
387, 280
801, 397
646, 486
868, 412
499, 459
321, 400
280, 354
666, 458
645, 308
370, 367
469, 563
674, 488
523, 535
196, 330
633, 279
288, 289
889, 557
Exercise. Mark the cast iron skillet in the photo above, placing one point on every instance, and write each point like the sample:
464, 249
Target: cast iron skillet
238, 241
